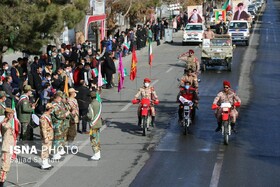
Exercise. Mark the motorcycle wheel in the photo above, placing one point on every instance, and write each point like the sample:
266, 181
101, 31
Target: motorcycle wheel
226, 132
144, 122
186, 126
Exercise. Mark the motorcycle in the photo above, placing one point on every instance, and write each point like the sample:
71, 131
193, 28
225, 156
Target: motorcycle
145, 112
188, 107
226, 120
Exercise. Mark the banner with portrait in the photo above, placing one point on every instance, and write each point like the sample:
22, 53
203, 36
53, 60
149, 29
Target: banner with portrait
240, 9
195, 14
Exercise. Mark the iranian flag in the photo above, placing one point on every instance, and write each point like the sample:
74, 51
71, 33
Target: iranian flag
226, 6
94, 72
3, 76
150, 53
15, 126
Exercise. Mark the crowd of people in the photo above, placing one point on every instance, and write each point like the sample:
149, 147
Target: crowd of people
58, 91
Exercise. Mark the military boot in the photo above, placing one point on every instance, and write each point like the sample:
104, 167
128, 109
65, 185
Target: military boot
153, 121
139, 121
233, 127
219, 127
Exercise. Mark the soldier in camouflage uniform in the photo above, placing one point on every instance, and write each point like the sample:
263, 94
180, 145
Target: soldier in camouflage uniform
58, 115
8, 142
74, 120
147, 91
94, 116
192, 62
229, 96
66, 124
25, 109
189, 77
46, 131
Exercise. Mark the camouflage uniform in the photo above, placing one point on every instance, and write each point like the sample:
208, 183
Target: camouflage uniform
58, 116
189, 78
74, 120
24, 108
66, 124
8, 141
46, 131
94, 112
229, 97
149, 93
191, 63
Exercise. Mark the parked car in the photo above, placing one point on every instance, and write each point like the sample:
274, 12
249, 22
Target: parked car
253, 7
253, 15
239, 30
193, 33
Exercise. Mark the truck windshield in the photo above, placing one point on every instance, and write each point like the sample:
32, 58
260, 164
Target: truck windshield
193, 27
240, 25
220, 42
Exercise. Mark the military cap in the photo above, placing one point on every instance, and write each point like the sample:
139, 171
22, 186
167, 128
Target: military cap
9, 110
59, 93
27, 88
49, 106
71, 90
2, 94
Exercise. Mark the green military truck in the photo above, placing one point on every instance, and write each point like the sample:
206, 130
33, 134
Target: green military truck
217, 52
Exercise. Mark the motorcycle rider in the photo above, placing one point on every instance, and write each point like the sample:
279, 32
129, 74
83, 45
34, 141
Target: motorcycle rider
227, 95
147, 91
189, 93
190, 77
191, 60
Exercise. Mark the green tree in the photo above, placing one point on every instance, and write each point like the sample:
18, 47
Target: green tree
30, 24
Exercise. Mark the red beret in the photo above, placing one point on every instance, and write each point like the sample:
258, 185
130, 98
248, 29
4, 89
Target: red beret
147, 80
226, 83
191, 51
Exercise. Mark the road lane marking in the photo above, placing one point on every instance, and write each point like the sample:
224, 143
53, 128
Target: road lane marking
126, 107
129, 104
169, 70
217, 168
56, 168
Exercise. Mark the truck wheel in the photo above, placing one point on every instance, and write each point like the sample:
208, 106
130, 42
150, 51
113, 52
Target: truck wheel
229, 66
204, 67
247, 42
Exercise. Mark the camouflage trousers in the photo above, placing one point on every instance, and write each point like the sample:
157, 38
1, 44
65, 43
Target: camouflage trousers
26, 131
95, 139
72, 131
5, 168
65, 129
58, 133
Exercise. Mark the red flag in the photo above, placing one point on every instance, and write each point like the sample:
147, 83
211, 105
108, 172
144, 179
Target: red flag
150, 53
133, 69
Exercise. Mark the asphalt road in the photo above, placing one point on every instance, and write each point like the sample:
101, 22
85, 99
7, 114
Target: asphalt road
166, 157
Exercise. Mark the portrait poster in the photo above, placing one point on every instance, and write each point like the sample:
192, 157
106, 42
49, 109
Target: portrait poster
195, 14
240, 9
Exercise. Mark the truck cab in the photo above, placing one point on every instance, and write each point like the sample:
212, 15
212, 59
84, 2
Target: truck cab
239, 30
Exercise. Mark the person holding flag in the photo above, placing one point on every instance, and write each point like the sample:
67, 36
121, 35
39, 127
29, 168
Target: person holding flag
8, 142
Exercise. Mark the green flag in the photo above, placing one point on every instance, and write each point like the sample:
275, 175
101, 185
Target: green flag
224, 7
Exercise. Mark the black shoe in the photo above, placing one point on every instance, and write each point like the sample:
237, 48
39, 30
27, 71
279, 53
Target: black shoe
234, 130
218, 129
